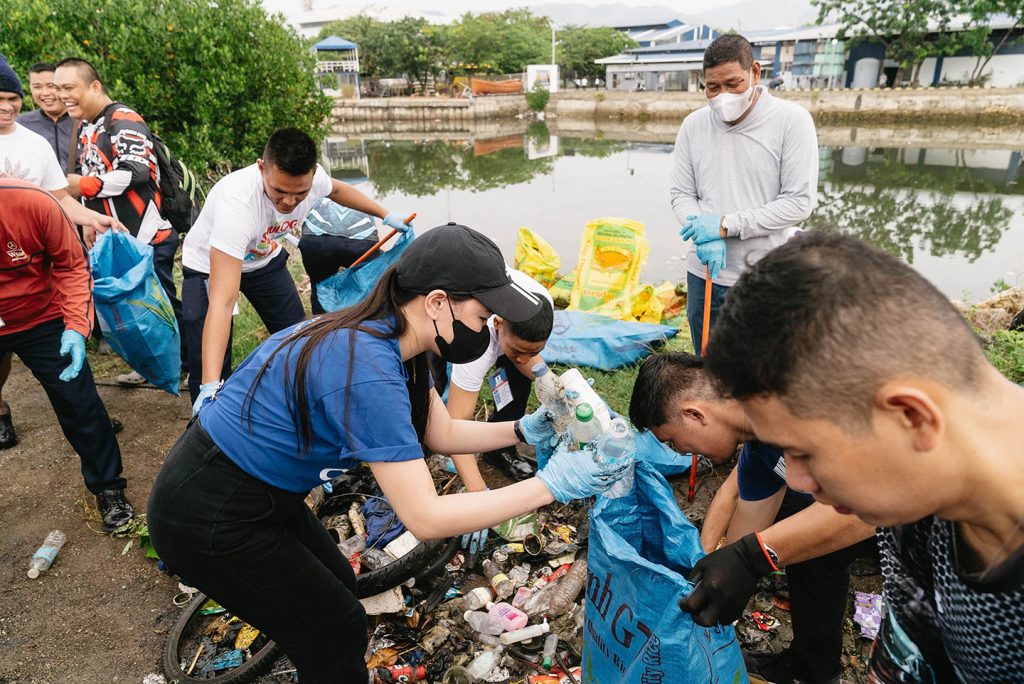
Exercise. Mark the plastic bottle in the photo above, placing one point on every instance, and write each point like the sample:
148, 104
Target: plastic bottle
352, 545
584, 428
524, 634
548, 389
502, 585
375, 559
478, 598
548, 654
573, 381
484, 664
44, 556
456, 674
512, 618
618, 442
484, 622
568, 588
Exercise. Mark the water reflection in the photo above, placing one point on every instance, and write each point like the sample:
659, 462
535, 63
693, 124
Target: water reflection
954, 213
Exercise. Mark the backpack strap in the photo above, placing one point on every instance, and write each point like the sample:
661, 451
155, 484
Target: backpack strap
72, 163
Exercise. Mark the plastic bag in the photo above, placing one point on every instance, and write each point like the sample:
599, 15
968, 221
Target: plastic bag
536, 258
561, 291
353, 284
330, 218
641, 549
611, 254
134, 312
587, 339
645, 306
664, 460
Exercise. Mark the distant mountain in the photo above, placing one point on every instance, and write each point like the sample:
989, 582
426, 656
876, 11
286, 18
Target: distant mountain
756, 15
617, 14
749, 15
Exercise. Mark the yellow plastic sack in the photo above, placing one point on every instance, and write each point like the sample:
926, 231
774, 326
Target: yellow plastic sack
673, 310
646, 306
561, 291
611, 254
536, 258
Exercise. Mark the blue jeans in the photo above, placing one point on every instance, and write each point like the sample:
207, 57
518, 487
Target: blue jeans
695, 306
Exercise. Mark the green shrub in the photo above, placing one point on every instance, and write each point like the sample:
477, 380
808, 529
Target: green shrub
213, 78
1005, 350
537, 99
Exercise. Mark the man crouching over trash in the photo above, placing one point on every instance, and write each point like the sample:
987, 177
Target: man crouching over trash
879, 394
765, 524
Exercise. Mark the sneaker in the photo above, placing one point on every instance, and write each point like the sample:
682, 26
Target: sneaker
130, 379
8, 437
511, 463
114, 509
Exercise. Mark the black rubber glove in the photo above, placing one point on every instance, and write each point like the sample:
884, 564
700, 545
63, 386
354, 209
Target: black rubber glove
725, 580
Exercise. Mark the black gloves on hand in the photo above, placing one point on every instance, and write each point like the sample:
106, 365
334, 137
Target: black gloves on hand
725, 580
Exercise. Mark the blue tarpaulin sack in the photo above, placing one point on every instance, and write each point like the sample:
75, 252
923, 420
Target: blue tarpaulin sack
641, 549
664, 460
134, 312
351, 285
579, 338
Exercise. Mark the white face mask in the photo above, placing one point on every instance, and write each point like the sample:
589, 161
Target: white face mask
731, 106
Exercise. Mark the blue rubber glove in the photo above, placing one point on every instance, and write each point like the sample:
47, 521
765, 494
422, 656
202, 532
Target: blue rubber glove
537, 427
702, 228
573, 475
712, 254
397, 221
73, 343
473, 542
206, 392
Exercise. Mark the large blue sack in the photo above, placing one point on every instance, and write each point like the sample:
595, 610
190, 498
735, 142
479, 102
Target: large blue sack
641, 549
133, 310
666, 461
579, 338
353, 284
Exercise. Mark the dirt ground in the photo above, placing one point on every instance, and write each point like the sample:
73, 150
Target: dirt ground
102, 612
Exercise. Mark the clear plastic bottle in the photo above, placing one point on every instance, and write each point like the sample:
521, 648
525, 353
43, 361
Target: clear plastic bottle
548, 654
584, 428
484, 664
484, 622
375, 559
548, 389
352, 545
502, 585
44, 556
512, 618
477, 598
617, 443
564, 593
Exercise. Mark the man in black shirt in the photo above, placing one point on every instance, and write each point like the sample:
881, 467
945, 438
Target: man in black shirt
50, 118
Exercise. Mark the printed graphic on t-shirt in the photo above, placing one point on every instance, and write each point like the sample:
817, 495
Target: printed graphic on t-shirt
267, 244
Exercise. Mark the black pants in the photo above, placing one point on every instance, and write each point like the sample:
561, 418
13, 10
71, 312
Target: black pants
519, 384
163, 265
818, 593
261, 553
270, 290
82, 416
323, 255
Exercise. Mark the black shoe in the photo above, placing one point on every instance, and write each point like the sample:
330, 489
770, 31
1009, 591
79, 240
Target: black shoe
114, 509
510, 463
779, 668
116, 425
8, 437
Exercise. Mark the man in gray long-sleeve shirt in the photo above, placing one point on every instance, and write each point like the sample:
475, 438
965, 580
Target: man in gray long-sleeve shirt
745, 172
50, 118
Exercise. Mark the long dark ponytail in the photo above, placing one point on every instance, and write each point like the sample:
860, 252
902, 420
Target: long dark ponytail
385, 300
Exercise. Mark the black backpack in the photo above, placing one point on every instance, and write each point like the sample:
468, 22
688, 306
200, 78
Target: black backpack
179, 189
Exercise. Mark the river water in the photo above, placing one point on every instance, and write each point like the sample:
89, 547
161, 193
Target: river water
952, 209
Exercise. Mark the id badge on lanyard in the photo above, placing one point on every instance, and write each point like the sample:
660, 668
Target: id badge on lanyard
500, 388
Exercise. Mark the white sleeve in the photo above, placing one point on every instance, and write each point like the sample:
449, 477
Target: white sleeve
470, 376
683, 190
235, 227
53, 176
323, 185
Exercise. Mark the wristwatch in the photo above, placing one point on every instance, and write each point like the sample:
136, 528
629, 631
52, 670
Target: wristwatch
519, 433
723, 231
772, 556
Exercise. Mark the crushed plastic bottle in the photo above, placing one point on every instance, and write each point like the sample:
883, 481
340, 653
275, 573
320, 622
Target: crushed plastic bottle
484, 664
564, 593
548, 388
617, 443
44, 556
484, 622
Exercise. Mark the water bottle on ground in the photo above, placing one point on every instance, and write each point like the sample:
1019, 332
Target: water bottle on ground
484, 622
477, 598
484, 664
548, 654
44, 556
617, 443
585, 429
352, 545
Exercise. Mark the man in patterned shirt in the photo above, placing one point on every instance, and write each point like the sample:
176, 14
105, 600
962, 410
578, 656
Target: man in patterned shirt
118, 172
885, 406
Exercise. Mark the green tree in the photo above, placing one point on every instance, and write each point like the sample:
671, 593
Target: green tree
499, 42
579, 47
214, 79
978, 35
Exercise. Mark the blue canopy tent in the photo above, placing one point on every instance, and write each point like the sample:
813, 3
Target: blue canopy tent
344, 66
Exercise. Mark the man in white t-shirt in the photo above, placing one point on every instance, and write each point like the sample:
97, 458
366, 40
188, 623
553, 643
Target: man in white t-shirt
27, 156
514, 349
233, 248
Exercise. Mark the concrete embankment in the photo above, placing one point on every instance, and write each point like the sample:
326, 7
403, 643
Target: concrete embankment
918, 106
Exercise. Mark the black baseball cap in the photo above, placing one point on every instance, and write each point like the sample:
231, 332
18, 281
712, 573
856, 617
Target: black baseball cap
461, 261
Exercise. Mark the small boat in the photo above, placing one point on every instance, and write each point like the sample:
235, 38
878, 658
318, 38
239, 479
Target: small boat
484, 87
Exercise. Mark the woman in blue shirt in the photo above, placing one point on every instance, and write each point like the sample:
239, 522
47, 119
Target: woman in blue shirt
227, 510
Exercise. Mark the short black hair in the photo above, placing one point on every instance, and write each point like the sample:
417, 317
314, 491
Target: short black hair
86, 70
291, 150
662, 379
732, 47
824, 321
42, 68
538, 328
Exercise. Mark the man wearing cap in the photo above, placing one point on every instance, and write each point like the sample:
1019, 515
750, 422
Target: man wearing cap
46, 313
27, 156
233, 248
50, 118
227, 510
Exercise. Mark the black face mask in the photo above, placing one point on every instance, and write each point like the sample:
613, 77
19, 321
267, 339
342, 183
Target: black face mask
466, 345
